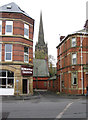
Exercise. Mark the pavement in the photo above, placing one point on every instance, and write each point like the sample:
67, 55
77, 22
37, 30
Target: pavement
40, 93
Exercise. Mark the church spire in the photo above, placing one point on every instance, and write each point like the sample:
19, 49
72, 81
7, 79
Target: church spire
41, 32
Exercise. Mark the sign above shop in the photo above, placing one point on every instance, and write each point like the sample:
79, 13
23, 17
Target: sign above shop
26, 71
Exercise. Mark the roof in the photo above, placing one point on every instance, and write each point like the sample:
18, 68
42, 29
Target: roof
13, 8
40, 68
80, 32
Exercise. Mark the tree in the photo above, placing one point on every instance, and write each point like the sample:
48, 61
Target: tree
51, 63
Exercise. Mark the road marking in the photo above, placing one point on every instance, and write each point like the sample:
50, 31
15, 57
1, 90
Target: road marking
67, 106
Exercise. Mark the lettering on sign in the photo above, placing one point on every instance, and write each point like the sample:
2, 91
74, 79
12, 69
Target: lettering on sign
26, 71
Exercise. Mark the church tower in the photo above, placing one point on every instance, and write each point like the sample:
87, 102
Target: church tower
41, 49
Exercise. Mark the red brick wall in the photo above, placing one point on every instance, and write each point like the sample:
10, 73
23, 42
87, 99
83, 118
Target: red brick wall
18, 41
65, 69
39, 82
52, 87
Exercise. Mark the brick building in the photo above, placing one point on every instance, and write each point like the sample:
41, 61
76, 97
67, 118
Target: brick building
72, 64
16, 51
52, 84
40, 74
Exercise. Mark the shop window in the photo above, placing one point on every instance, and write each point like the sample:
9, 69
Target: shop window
26, 31
73, 42
0, 27
74, 58
26, 55
10, 83
8, 52
74, 78
9, 28
0, 51
6, 79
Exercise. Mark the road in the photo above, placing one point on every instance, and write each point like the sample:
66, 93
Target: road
46, 106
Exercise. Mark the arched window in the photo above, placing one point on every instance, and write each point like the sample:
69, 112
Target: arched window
6, 79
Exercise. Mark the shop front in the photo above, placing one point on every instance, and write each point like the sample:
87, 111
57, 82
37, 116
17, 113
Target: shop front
16, 80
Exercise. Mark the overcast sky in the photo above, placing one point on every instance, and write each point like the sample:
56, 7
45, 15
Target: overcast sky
60, 17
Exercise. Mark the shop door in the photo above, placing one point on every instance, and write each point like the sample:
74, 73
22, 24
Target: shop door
24, 86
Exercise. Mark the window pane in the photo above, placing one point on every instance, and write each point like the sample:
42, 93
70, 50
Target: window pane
25, 49
0, 28
10, 83
73, 58
8, 56
74, 78
0, 82
26, 58
9, 27
0, 56
74, 61
10, 74
26, 31
8, 48
3, 83
73, 42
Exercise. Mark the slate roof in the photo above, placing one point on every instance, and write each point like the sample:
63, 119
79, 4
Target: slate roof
13, 8
40, 68
80, 32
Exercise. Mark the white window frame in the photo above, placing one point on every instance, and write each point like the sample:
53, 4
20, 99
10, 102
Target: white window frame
6, 77
9, 23
0, 52
74, 56
26, 27
8, 52
1, 27
74, 75
26, 54
73, 41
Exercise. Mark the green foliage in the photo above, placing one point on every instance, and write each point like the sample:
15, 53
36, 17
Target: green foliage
52, 70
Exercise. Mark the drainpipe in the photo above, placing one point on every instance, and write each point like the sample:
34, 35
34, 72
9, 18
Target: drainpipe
81, 42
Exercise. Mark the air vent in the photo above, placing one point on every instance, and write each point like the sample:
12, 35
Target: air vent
9, 7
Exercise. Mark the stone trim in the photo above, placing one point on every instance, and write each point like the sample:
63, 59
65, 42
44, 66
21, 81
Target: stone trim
16, 20
16, 43
18, 36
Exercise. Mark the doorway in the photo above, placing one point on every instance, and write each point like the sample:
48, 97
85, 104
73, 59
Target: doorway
24, 86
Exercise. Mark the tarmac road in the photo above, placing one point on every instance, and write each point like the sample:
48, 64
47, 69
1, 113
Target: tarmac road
45, 105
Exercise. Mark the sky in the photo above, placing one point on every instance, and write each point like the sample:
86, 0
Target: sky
60, 17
